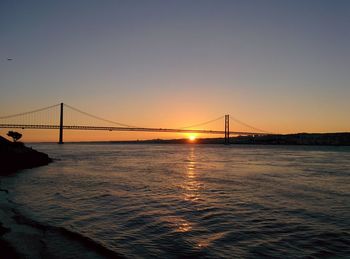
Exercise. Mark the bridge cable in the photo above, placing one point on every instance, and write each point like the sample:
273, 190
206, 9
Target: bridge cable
203, 123
99, 118
30, 112
247, 125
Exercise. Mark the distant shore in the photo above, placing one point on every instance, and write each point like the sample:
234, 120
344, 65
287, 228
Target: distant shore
312, 139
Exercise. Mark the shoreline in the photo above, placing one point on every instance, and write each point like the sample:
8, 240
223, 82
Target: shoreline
298, 139
6, 248
22, 237
14, 157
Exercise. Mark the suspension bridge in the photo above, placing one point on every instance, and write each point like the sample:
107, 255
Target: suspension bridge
58, 117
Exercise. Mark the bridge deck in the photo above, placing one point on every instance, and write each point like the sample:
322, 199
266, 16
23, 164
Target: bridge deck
76, 127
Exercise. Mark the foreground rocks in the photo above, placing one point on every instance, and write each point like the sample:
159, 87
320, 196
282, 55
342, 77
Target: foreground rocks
16, 156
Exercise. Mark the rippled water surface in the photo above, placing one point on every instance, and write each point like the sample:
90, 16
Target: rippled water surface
195, 200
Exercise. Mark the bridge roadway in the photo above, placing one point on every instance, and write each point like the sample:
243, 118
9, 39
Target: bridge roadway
66, 127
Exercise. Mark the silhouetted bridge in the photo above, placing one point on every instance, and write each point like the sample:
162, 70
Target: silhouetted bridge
31, 120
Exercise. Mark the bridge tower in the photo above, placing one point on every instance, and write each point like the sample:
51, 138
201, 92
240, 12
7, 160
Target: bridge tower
60, 141
227, 129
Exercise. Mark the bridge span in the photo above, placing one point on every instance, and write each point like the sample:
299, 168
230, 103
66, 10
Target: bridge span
9, 126
61, 125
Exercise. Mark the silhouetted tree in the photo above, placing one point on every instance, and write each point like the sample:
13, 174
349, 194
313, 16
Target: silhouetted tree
14, 135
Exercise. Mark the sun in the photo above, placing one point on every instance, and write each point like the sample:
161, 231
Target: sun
192, 137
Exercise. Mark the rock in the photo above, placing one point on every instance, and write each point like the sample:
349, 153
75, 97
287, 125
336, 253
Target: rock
15, 156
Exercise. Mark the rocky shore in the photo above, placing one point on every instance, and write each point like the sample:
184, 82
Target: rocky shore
15, 156
23, 237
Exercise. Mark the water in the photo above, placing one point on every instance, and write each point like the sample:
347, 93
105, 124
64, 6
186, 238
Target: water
209, 201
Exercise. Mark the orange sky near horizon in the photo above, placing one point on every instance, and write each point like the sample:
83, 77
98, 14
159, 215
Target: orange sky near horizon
285, 126
191, 111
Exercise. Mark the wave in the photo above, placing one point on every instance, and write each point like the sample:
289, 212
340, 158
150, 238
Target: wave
67, 235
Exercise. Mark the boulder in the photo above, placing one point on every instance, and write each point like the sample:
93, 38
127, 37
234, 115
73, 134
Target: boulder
15, 156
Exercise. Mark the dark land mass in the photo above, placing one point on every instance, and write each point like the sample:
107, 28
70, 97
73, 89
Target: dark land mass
321, 139
15, 156
318, 139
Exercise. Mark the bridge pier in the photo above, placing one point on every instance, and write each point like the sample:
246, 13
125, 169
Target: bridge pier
60, 141
227, 130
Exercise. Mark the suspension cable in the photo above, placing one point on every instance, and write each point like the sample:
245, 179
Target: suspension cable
99, 118
30, 112
126, 125
203, 123
247, 125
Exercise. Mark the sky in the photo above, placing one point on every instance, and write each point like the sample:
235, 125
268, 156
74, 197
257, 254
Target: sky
279, 65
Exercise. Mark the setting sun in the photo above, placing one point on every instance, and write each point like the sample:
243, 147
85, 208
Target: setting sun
192, 138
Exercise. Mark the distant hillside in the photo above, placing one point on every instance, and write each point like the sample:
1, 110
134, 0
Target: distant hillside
332, 139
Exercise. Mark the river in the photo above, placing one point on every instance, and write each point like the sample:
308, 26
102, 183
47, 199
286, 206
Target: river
206, 201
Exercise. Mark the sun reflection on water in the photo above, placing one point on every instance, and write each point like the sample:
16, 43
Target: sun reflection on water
184, 227
191, 184
178, 223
